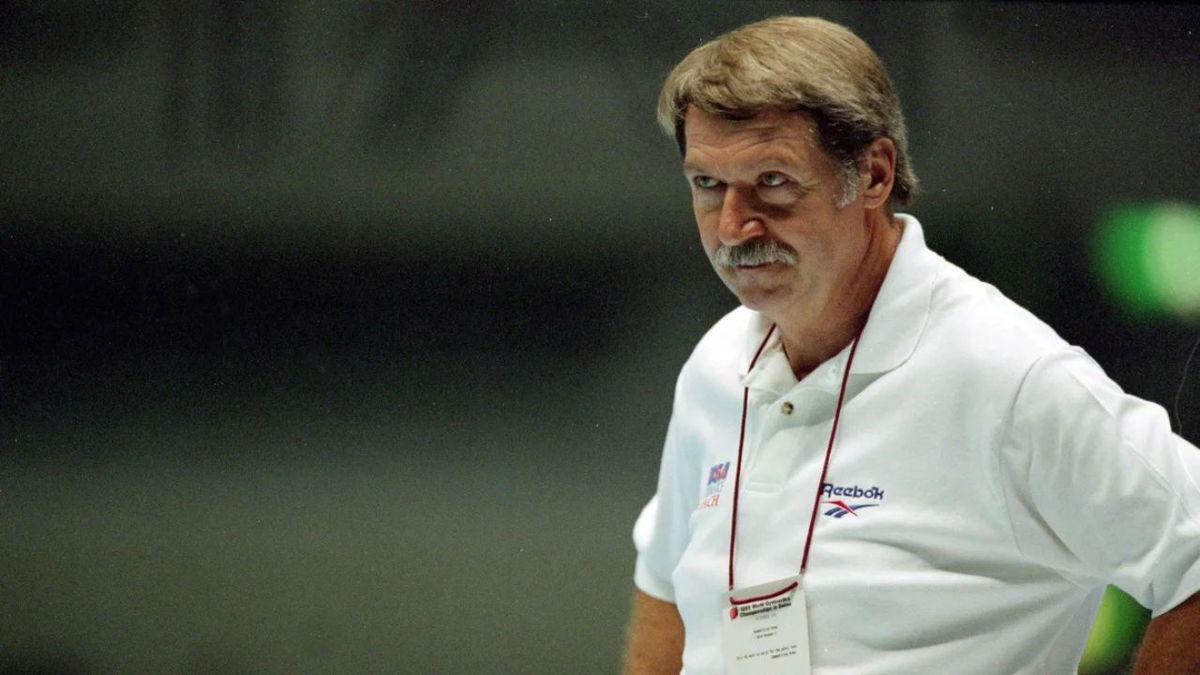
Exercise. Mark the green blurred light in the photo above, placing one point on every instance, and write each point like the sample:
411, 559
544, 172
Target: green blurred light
1115, 634
1148, 257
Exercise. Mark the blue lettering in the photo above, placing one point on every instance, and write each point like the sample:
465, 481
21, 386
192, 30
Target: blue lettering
852, 491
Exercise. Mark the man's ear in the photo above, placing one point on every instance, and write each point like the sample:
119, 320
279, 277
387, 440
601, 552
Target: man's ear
879, 162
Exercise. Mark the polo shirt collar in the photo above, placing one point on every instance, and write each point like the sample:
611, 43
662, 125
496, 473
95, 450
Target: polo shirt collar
894, 326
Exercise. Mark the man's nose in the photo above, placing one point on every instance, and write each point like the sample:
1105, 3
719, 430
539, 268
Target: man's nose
740, 221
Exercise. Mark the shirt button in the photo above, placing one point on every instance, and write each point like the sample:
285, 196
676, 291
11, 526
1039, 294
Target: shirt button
787, 408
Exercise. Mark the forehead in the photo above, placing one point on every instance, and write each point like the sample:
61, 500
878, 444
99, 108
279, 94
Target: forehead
710, 137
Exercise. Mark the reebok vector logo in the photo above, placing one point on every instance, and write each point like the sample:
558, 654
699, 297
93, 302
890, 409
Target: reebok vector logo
847, 500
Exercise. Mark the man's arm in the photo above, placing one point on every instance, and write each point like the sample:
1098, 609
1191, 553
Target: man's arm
1170, 644
655, 638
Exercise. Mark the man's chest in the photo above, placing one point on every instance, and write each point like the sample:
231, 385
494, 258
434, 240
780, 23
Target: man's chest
906, 487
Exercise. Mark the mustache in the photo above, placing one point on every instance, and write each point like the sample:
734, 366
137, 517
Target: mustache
755, 252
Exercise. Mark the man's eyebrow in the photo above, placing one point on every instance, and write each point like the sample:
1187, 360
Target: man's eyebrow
764, 164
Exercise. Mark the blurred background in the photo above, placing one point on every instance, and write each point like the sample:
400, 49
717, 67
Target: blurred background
341, 337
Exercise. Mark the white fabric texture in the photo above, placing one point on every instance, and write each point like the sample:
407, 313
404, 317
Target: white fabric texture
987, 482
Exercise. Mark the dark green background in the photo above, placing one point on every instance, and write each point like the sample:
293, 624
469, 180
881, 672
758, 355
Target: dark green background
340, 337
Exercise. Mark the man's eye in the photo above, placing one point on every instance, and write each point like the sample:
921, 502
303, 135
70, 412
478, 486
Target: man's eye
705, 182
773, 179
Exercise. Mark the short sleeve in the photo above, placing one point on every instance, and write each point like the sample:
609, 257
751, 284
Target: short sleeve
661, 531
1097, 485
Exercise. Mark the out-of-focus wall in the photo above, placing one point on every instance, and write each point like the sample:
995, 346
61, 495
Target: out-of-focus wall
341, 337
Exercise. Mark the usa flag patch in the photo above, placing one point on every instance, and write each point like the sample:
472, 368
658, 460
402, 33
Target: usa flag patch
716, 481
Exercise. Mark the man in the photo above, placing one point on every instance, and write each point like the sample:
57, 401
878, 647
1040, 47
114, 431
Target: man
879, 464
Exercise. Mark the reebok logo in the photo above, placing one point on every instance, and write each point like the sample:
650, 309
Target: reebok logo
853, 491
837, 495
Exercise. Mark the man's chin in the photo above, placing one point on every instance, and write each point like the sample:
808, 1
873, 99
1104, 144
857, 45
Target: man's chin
756, 286
762, 300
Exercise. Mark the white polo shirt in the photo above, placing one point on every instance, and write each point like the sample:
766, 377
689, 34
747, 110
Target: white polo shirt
987, 481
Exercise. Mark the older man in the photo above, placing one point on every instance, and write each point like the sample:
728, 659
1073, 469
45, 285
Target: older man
879, 464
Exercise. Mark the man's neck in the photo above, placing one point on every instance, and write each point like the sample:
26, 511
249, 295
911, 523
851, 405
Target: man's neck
810, 341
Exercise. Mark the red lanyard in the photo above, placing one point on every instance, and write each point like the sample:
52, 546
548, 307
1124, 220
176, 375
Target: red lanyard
737, 480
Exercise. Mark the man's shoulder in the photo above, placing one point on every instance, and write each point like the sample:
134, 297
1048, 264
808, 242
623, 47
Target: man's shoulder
722, 349
731, 331
973, 325
725, 341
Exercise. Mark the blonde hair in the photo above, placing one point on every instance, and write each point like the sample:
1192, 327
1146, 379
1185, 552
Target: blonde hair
801, 64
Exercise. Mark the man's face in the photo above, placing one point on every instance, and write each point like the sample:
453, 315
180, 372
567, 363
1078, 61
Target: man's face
765, 198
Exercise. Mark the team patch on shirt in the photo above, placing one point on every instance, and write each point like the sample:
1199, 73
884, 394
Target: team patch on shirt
848, 500
716, 481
